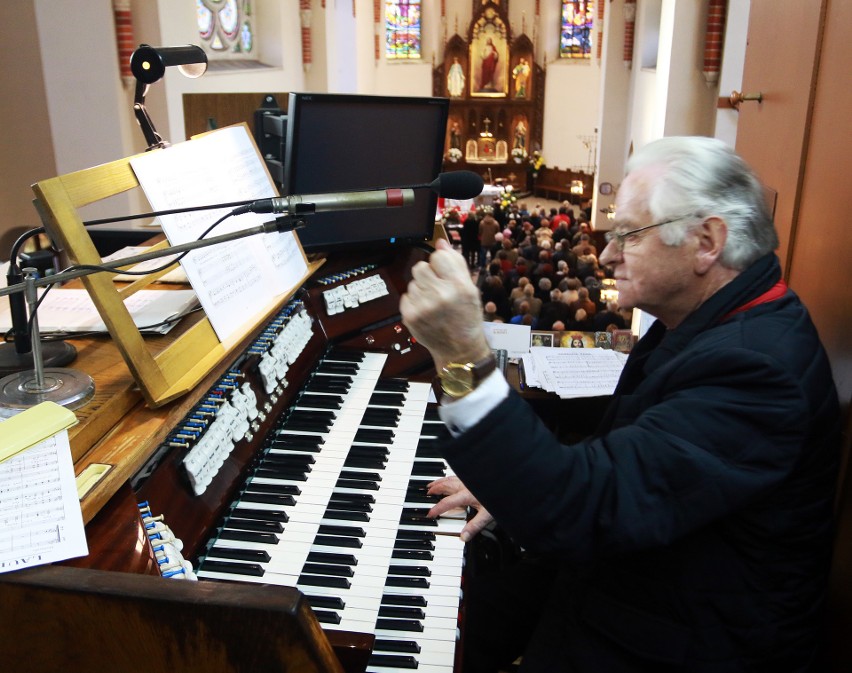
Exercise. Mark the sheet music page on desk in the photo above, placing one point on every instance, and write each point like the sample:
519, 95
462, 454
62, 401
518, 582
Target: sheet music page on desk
574, 372
233, 281
40, 516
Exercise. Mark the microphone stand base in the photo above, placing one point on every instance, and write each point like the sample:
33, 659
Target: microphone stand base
67, 387
54, 354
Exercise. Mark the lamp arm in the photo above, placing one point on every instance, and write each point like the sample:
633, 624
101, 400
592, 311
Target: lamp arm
153, 138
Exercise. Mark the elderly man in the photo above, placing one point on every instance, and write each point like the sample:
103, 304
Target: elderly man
692, 531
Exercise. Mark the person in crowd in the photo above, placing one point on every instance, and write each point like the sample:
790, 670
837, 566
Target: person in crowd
470, 241
692, 531
553, 311
488, 230
583, 302
610, 316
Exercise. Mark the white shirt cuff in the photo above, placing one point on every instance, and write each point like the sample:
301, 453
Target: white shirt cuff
464, 413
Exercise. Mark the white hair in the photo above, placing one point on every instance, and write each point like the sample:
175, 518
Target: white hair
701, 178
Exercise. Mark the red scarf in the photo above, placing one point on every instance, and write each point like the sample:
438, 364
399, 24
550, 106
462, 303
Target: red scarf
775, 292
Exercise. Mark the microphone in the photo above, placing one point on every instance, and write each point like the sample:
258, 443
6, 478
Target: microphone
458, 185
319, 203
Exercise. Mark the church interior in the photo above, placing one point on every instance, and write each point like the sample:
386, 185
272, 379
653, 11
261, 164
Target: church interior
546, 111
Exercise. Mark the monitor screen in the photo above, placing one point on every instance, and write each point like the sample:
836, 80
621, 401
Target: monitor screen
342, 142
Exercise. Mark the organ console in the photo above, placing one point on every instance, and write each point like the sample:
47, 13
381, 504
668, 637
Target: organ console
292, 478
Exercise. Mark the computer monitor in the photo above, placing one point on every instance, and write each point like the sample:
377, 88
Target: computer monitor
343, 142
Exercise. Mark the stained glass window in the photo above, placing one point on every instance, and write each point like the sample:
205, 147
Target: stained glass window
576, 36
226, 28
402, 31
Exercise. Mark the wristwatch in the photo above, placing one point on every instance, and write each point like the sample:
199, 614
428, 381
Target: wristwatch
457, 379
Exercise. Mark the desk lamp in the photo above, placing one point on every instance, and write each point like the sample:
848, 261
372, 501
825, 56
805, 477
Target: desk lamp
148, 65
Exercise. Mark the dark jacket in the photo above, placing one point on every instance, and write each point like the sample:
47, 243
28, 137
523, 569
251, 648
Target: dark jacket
695, 527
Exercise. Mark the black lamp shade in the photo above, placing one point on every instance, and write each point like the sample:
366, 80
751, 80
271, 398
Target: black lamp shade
148, 64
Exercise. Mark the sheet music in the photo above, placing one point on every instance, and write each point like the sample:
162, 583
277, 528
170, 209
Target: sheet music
40, 517
70, 311
235, 280
574, 372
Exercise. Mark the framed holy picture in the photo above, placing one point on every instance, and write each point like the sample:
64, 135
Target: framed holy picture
489, 62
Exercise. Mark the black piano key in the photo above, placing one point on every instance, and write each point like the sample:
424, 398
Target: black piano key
422, 545
320, 401
362, 450
252, 555
268, 498
327, 616
374, 436
392, 661
387, 399
413, 554
424, 521
357, 484
349, 505
280, 472
399, 612
345, 355
283, 489
262, 514
394, 581
353, 497
412, 571
335, 570
392, 385
331, 557
285, 438
381, 416
428, 450
252, 569
415, 511
337, 368
330, 384
432, 415
288, 459
361, 476
249, 536
308, 425
423, 468
371, 463
328, 602
343, 515
403, 599
323, 581
347, 531
399, 625
315, 414
415, 535
387, 645
234, 523
337, 541
424, 499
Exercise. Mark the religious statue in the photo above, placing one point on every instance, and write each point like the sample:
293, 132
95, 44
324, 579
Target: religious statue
490, 56
455, 136
455, 79
521, 74
520, 140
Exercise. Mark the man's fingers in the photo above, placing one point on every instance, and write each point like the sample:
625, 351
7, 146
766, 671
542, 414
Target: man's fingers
475, 525
461, 499
444, 486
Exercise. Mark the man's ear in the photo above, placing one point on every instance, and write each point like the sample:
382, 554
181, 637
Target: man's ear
711, 235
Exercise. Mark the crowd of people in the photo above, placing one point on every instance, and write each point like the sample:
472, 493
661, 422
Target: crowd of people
539, 268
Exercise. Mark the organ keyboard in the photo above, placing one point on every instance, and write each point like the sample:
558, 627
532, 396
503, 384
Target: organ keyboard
303, 463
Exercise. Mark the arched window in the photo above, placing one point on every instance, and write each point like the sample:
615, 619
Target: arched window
402, 29
226, 29
576, 35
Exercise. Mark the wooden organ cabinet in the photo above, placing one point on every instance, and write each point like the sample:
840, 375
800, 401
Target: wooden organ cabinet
295, 464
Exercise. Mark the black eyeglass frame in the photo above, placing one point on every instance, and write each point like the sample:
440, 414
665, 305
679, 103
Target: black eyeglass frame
620, 237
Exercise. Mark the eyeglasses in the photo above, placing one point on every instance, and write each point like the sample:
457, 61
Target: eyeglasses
620, 237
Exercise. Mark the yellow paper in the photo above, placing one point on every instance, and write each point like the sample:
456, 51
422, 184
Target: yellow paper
33, 426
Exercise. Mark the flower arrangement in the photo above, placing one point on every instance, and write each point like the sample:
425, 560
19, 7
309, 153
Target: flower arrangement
507, 198
451, 216
519, 154
454, 154
536, 161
